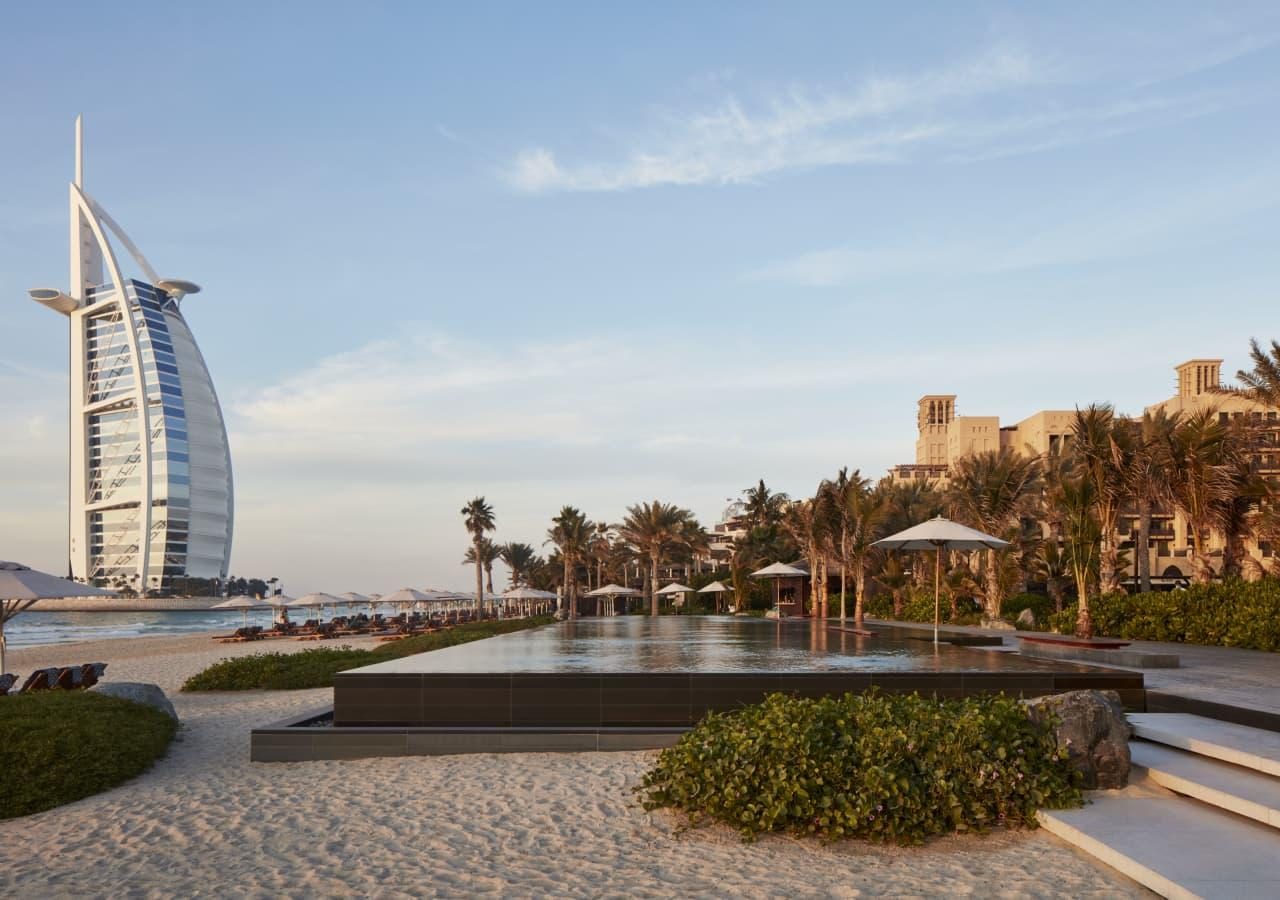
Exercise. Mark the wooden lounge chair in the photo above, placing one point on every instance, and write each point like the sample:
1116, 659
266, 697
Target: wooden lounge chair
91, 674
7, 682
69, 678
39, 680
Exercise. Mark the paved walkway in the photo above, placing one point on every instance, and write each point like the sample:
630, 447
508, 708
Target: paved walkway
1245, 678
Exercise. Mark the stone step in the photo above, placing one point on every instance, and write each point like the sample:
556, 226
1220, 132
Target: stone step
1252, 748
1176, 847
1245, 792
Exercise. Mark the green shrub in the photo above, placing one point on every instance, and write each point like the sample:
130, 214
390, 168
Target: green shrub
60, 746
918, 607
316, 667
881, 767
1230, 613
1040, 605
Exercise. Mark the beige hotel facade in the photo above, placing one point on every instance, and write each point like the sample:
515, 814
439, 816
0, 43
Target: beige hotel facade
945, 437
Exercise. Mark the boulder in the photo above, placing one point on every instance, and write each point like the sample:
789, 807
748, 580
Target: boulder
138, 692
1094, 732
1026, 619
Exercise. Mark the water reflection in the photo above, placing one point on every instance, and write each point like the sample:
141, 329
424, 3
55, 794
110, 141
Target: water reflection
711, 644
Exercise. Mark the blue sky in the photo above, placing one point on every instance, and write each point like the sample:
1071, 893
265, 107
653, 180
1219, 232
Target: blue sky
568, 254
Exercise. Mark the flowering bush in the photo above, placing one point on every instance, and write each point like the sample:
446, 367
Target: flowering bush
890, 768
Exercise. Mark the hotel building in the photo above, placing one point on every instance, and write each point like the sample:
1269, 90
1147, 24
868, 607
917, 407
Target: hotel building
151, 498
944, 437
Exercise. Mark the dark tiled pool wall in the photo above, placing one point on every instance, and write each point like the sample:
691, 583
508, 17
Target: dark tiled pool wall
658, 699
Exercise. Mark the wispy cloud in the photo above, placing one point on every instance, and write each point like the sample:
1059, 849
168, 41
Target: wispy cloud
800, 128
1004, 102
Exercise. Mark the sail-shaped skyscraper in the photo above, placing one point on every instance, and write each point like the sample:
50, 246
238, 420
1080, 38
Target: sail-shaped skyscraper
150, 468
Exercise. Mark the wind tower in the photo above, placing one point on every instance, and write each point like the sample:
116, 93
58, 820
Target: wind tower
151, 494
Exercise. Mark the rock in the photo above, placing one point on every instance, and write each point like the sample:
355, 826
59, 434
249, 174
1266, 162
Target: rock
138, 692
1026, 619
1093, 730
996, 624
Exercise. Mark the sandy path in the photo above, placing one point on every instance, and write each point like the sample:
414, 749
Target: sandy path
207, 822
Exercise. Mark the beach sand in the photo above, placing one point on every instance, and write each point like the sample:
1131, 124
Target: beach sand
207, 822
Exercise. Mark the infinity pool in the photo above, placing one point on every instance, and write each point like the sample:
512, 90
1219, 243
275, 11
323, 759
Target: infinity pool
709, 644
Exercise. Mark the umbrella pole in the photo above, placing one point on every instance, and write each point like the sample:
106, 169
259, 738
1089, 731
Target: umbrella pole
937, 579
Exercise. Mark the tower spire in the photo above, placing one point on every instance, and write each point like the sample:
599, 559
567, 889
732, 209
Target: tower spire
79, 152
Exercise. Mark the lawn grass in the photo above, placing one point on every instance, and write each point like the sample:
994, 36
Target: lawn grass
60, 746
316, 667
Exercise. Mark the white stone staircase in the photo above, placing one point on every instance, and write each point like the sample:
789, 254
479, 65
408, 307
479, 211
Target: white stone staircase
1201, 816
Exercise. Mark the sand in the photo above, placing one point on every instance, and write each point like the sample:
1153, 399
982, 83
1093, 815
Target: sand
207, 822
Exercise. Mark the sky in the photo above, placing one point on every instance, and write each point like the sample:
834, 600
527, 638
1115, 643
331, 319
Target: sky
594, 254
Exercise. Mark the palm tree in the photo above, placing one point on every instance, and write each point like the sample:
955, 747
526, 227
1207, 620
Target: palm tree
1053, 566
991, 491
861, 512
478, 518
1201, 482
764, 507
1077, 503
808, 523
1148, 482
521, 560
571, 533
486, 552
1105, 446
653, 529
1263, 382
601, 549
896, 579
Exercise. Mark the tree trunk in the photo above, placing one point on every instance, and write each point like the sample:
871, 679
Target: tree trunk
568, 593
860, 589
1084, 622
1054, 587
844, 569
1201, 570
993, 597
1108, 582
897, 603
479, 580
1143, 548
653, 585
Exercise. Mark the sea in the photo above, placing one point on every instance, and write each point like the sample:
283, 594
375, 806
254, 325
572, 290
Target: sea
33, 627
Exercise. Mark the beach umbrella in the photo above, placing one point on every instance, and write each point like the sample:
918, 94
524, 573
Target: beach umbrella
673, 589
318, 600
613, 592
776, 571
244, 603
354, 599
279, 604
940, 534
715, 587
528, 594
21, 586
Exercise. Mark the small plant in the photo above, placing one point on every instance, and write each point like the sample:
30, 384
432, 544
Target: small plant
885, 768
316, 667
60, 746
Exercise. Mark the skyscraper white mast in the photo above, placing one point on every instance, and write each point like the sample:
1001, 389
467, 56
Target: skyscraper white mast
151, 496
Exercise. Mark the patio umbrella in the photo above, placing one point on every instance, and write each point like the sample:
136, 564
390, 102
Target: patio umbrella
279, 604
940, 534
244, 603
675, 588
21, 586
613, 592
318, 600
354, 599
715, 587
776, 571
528, 594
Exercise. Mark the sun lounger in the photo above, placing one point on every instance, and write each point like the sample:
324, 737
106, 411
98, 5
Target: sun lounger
91, 673
69, 678
40, 680
7, 682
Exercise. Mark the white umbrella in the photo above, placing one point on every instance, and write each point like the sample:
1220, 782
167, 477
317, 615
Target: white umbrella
528, 593
940, 534
612, 592
409, 596
244, 603
318, 600
776, 571
675, 588
715, 587
21, 586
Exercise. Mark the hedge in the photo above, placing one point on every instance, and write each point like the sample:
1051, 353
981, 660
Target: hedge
316, 667
1230, 613
60, 746
885, 768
